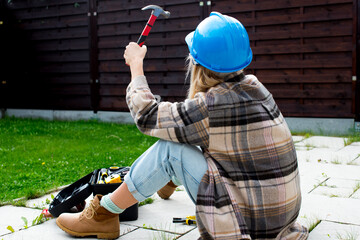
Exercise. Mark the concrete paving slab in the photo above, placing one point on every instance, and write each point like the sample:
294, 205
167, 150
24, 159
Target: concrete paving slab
302, 148
42, 202
152, 217
350, 151
302, 155
12, 216
330, 230
307, 221
333, 192
314, 170
356, 194
148, 234
344, 210
315, 207
345, 155
356, 162
193, 234
125, 229
342, 183
325, 142
355, 144
322, 155
159, 214
49, 230
298, 139
308, 184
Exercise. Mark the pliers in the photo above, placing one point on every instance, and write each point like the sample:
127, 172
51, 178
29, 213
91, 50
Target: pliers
189, 220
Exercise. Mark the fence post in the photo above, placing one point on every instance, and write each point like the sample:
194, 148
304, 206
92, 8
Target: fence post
201, 9
208, 8
5, 32
94, 56
356, 61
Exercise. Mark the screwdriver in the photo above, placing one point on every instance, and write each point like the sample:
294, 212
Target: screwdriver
189, 220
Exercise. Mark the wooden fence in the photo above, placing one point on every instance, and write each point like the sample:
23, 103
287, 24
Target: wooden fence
69, 54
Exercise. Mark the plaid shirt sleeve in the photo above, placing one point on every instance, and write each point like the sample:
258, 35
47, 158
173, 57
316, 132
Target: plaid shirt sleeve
185, 122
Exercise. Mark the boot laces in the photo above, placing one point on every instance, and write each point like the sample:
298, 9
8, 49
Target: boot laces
89, 211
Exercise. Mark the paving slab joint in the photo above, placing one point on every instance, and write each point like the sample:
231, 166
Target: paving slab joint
355, 189
130, 230
187, 232
344, 223
319, 184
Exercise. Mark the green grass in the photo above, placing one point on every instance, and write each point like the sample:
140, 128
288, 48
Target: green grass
348, 138
146, 201
304, 134
357, 187
313, 224
352, 138
347, 235
37, 155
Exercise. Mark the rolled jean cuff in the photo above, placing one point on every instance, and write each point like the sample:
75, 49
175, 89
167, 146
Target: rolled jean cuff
132, 189
176, 181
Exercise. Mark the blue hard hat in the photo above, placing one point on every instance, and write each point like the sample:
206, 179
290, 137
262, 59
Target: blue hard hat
220, 43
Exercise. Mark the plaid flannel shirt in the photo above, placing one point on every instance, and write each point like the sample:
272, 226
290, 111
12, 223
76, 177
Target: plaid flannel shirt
251, 188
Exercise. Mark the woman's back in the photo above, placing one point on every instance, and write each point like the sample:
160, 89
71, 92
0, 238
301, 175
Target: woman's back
252, 164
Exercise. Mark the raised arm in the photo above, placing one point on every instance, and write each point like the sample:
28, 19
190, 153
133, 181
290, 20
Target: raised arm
185, 122
134, 57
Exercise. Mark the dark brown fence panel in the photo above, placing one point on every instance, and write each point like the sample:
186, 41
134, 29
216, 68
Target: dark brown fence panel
69, 54
356, 65
49, 54
120, 22
302, 52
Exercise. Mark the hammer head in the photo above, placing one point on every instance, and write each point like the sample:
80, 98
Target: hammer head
156, 11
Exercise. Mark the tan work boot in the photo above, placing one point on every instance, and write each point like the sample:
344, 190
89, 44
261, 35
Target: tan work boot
167, 190
95, 220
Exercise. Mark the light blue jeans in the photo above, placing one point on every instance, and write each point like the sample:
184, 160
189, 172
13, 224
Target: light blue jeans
165, 161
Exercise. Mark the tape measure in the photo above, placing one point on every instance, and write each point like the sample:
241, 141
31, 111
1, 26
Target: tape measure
113, 178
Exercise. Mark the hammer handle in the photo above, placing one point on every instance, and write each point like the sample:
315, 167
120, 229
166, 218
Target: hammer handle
146, 30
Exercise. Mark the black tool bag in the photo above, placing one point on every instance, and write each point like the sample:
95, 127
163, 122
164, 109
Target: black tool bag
75, 194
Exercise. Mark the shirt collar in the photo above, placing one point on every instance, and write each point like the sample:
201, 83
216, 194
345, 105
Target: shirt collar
234, 77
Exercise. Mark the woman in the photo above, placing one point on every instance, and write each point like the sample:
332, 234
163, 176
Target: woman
244, 180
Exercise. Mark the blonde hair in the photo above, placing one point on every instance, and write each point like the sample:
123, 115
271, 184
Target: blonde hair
201, 78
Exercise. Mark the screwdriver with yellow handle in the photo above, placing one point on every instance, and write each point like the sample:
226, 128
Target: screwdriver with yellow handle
189, 220
102, 175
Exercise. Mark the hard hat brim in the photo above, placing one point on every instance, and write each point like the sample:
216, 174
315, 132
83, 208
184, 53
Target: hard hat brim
189, 40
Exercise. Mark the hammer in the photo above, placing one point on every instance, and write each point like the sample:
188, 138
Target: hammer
156, 11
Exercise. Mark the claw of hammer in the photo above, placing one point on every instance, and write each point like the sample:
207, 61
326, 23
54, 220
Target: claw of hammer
157, 11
